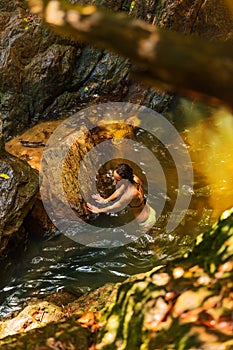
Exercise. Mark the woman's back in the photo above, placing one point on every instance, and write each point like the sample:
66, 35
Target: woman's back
138, 201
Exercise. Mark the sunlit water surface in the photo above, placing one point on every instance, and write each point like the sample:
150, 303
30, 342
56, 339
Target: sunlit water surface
58, 263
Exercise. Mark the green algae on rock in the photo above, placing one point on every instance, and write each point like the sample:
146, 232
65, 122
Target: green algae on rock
186, 304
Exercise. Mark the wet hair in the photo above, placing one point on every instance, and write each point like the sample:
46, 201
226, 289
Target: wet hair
125, 171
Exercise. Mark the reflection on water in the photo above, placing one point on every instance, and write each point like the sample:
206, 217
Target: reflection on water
61, 264
211, 150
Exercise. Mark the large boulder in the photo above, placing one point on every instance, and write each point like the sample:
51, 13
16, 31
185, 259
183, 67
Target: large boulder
18, 187
186, 304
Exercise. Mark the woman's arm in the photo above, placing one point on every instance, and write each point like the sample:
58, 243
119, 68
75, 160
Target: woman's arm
117, 206
113, 196
119, 191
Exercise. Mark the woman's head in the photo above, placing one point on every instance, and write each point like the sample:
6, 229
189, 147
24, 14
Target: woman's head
123, 171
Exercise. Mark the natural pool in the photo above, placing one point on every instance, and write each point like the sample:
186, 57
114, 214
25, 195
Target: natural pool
58, 263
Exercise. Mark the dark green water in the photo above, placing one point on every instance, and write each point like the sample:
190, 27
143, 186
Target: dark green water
61, 264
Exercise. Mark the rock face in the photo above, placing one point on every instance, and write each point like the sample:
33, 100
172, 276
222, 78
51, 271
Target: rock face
210, 19
32, 61
18, 186
43, 76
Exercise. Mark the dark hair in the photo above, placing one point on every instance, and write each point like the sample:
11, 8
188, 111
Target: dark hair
125, 171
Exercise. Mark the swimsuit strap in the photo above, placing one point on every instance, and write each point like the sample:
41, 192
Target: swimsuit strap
137, 184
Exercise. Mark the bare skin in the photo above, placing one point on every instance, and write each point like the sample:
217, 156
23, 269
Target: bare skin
127, 193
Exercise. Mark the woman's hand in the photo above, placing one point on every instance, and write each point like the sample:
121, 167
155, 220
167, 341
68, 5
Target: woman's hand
98, 199
93, 208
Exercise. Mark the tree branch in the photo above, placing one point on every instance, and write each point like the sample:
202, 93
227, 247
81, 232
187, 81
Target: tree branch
189, 65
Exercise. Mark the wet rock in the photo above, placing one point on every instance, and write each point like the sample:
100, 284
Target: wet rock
18, 187
187, 303
33, 316
32, 60
38, 221
35, 137
66, 334
214, 21
45, 77
94, 301
210, 19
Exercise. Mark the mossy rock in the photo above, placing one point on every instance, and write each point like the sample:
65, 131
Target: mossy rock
184, 305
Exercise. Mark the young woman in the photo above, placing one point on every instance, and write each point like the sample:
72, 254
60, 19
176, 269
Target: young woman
129, 192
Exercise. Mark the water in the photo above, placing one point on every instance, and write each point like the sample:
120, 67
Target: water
58, 263
61, 264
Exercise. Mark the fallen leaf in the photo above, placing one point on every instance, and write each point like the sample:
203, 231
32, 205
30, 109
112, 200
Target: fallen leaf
35, 313
160, 279
4, 176
88, 318
154, 316
189, 300
178, 272
226, 267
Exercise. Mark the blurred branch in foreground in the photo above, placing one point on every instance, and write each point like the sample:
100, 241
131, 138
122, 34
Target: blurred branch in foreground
191, 66
230, 5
